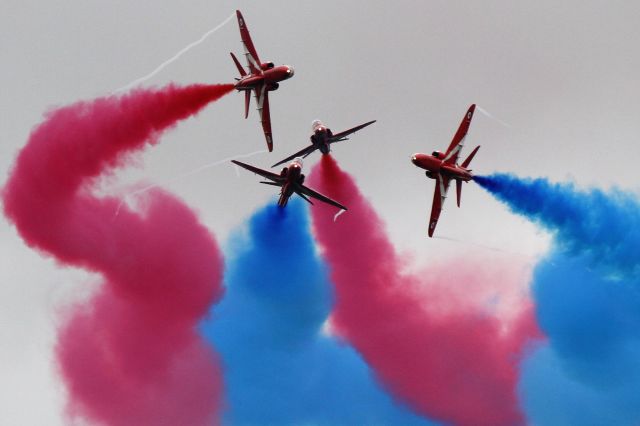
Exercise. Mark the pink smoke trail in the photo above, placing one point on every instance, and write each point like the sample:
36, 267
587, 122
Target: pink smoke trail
131, 355
430, 345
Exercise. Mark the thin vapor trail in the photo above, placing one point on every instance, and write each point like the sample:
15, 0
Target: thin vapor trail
486, 247
184, 175
174, 57
338, 214
488, 114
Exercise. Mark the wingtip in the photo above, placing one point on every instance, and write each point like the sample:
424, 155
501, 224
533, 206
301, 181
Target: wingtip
269, 140
240, 19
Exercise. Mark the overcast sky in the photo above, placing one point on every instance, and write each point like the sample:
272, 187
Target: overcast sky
560, 80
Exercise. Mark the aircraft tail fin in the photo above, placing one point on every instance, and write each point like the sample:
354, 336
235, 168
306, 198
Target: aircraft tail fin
466, 162
240, 69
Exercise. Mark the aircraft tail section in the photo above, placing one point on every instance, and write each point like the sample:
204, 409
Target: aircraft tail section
466, 162
240, 69
247, 93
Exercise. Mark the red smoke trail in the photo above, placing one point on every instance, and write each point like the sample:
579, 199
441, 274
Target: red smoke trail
131, 355
430, 345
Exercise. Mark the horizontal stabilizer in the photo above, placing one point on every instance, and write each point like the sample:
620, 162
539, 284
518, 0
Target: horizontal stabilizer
466, 162
304, 197
235, 61
271, 183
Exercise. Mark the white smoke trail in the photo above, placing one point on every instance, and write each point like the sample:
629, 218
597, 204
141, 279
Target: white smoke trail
183, 175
174, 57
485, 112
471, 243
338, 214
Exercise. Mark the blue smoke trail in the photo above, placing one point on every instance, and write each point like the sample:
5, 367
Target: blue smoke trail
587, 294
280, 369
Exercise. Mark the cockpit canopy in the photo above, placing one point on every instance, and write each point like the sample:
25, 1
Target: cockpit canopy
437, 154
315, 124
267, 65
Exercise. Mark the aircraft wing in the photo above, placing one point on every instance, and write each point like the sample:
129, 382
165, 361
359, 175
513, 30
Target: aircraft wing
440, 194
249, 50
264, 173
262, 96
313, 194
341, 135
302, 153
451, 157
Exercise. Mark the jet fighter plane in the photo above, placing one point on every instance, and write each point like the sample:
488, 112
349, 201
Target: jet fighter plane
322, 138
443, 168
291, 181
263, 77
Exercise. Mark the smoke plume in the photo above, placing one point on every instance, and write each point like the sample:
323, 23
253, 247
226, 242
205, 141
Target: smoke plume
426, 339
280, 367
131, 355
587, 298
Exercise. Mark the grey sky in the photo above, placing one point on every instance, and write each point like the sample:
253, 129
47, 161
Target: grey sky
563, 75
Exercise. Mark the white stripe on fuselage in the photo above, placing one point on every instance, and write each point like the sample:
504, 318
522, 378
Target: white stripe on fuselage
443, 190
260, 100
455, 150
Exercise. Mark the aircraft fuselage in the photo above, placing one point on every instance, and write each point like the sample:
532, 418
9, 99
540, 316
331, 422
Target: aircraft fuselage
320, 137
294, 177
269, 76
434, 164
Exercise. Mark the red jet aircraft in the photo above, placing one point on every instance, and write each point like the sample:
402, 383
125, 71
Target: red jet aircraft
443, 168
262, 79
290, 180
322, 138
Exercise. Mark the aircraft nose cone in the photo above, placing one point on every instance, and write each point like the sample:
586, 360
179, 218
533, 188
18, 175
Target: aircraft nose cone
414, 158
